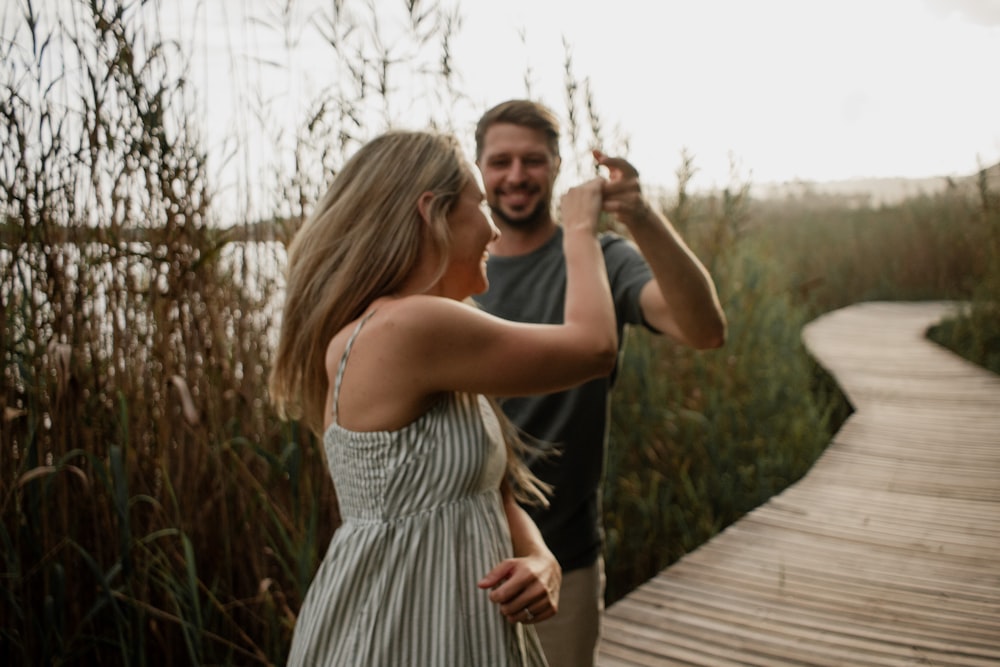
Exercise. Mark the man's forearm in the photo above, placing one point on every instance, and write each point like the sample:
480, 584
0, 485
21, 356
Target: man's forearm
682, 301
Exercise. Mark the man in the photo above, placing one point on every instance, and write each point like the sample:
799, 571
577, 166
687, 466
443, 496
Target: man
665, 288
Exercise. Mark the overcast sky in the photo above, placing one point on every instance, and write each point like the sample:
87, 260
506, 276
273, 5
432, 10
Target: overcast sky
789, 89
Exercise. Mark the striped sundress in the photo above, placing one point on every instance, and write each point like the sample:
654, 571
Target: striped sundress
423, 522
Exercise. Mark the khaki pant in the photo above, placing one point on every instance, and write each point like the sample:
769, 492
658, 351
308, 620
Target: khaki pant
570, 638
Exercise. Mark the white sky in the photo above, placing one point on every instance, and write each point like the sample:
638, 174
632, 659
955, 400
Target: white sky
789, 89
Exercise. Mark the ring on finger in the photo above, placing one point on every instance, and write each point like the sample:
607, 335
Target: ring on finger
528, 616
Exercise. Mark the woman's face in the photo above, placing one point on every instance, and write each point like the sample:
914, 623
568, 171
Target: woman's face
472, 230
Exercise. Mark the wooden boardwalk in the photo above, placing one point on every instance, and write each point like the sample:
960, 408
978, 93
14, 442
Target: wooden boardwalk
886, 553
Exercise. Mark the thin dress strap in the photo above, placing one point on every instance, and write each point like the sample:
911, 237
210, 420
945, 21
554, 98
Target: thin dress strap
343, 362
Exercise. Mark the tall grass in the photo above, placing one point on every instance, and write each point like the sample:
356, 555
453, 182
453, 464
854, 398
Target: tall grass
154, 511
148, 514
698, 439
975, 333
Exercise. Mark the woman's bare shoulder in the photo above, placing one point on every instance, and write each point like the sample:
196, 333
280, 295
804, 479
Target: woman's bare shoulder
400, 326
388, 379
426, 314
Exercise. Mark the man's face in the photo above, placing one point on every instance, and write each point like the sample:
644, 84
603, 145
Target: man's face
519, 171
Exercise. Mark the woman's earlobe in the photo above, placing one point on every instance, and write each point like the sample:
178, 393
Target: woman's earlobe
424, 205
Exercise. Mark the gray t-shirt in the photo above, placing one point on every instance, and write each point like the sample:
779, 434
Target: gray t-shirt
532, 288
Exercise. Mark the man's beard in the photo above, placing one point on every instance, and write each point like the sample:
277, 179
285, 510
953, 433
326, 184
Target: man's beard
530, 220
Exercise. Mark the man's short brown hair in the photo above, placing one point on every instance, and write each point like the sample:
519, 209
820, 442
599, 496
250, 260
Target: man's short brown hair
524, 113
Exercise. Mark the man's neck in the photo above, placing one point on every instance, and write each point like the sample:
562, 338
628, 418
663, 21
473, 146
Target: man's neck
516, 241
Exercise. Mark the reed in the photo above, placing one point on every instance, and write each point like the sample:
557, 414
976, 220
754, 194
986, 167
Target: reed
144, 521
975, 332
698, 438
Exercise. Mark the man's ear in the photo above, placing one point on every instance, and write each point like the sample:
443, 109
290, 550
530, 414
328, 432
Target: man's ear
424, 205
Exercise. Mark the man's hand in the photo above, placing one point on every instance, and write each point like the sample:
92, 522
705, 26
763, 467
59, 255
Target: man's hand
622, 194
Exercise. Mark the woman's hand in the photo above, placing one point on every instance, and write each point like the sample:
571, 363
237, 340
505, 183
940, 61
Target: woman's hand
580, 207
526, 589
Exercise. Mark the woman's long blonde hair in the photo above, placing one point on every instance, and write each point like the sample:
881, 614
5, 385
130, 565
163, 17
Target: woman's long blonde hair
360, 243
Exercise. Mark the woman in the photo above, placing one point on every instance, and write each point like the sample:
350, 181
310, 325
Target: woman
380, 353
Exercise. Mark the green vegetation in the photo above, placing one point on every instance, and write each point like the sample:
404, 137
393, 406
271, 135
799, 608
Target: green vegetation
699, 438
975, 334
154, 511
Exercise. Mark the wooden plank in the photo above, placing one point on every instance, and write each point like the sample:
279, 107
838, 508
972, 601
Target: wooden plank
885, 553
864, 614
778, 632
764, 639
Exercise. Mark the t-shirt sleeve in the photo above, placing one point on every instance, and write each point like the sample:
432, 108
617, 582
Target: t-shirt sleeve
628, 273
